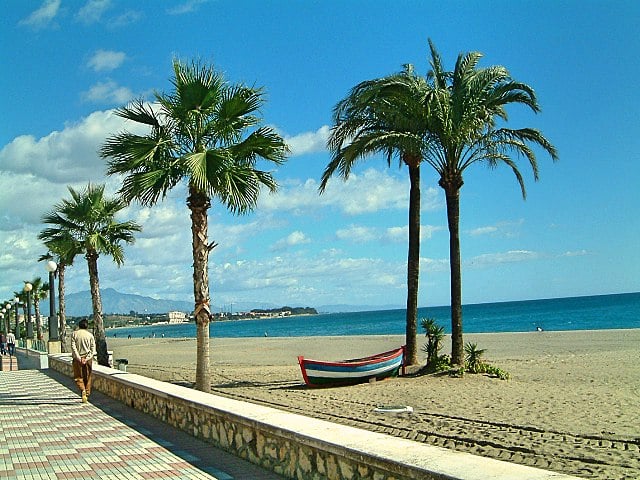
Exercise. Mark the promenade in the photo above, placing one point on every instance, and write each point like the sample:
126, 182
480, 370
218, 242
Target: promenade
46, 432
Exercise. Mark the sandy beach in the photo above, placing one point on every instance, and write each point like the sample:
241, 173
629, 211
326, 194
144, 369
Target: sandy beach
572, 404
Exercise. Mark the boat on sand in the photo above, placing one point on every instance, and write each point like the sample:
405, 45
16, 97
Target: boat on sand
322, 373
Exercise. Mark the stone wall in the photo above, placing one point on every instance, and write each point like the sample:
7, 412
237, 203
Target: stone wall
292, 445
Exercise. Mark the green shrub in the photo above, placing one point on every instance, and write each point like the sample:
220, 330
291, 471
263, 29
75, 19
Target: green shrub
434, 334
473, 357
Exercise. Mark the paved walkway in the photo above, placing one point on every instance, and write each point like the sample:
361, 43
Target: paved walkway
46, 432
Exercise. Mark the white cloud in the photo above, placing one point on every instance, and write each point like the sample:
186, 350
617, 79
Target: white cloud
127, 18
186, 7
43, 16
92, 11
357, 234
369, 192
106, 60
291, 240
483, 231
308, 142
504, 229
360, 234
575, 253
108, 92
326, 278
512, 256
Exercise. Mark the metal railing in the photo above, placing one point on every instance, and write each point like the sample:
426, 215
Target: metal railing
38, 345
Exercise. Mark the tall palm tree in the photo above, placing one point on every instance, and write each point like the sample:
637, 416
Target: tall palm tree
465, 109
40, 291
386, 116
63, 250
89, 219
207, 133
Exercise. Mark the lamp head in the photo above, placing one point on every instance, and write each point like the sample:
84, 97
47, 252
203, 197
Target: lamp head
51, 266
28, 287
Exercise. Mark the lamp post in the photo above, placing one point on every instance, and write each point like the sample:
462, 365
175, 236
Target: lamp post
15, 310
27, 288
54, 341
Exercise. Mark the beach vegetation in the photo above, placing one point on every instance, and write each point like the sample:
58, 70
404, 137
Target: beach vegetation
386, 116
473, 357
208, 134
88, 221
435, 335
466, 112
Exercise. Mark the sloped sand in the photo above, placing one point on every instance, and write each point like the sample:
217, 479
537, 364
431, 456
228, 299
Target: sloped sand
572, 404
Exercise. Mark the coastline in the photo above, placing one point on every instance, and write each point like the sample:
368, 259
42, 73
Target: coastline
572, 403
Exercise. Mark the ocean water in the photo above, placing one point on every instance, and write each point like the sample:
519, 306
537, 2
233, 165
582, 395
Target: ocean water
599, 312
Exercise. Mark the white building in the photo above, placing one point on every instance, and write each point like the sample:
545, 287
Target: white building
177, 317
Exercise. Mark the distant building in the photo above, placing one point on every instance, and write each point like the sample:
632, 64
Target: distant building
177, 317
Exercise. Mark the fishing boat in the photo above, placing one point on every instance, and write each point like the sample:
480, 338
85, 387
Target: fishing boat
320, 373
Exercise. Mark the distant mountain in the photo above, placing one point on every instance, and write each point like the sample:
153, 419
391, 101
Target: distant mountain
79, 304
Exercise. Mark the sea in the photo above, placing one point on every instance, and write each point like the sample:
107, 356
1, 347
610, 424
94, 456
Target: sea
601, 312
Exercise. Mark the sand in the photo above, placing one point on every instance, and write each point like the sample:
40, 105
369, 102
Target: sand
572, 404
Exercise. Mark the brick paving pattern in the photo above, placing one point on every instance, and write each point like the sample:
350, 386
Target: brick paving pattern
46, 432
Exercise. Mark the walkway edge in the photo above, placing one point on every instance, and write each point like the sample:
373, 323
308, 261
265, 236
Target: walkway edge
295, 445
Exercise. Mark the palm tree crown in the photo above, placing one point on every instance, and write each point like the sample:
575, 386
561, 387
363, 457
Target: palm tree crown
87, 224
198, 133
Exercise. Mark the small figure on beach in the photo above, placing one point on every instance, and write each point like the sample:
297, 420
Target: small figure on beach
83, 349
11, 343
3, 344
539, 328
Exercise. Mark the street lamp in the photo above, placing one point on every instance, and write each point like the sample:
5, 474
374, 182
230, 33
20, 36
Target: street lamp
53, 324
27, 288
15, 308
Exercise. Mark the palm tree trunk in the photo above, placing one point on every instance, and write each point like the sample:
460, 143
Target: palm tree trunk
96, 303
199, 204
413, 267
62, 309
452, 194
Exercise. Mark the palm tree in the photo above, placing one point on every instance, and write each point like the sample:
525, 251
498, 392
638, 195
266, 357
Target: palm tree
386, 116
89, 219
207, 133
464, 109
40, 291
63, 249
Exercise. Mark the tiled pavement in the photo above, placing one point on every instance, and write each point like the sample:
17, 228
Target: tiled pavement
47, 433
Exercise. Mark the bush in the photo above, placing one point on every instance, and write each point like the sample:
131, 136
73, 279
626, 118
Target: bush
434, 334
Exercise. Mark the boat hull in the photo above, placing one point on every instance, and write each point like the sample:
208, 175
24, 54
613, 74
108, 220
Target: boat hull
320, 373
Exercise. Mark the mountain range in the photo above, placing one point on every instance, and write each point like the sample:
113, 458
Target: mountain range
113, 302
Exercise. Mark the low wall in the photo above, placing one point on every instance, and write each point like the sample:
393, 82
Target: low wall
293, 445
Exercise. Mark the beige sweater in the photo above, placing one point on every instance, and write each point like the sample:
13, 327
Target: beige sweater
83, 345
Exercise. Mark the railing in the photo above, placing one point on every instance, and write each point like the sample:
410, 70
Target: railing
39, 345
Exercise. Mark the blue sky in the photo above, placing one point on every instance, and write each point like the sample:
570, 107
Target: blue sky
66, 64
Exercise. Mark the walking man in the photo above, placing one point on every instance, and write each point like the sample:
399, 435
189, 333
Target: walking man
11, 343
83, 349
